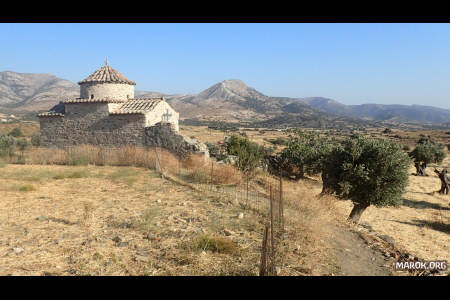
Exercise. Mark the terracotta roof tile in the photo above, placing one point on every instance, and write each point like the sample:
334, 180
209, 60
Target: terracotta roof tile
95, 100
137, 106
107, 74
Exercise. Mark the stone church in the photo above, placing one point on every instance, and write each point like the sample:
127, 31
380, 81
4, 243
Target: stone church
106, 114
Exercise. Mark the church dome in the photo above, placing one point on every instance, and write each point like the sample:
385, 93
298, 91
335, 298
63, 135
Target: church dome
106, 83
107, 74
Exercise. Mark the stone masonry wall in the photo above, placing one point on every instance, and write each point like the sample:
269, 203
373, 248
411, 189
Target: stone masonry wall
106, 90
164, 135
91, 124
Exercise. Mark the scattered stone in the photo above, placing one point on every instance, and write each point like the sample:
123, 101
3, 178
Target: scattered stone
241, 216
150, 236
203, 253
367, 226
159, 200
181, 220
117, 239
387, 239
122, 244
41, 218
277, 270
141, 258
18, 250
228, 232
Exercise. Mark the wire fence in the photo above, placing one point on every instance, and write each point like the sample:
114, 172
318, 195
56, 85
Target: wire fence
263, 198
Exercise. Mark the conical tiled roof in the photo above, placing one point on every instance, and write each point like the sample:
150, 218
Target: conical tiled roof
107, 74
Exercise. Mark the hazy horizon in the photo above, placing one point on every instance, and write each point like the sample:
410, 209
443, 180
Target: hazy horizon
351, 63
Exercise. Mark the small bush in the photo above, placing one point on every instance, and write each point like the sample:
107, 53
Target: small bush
215, 243
75, 174
7, 146
16, 132
27, 188
225, 174
199, 175
406, 148
36, 139
23, 144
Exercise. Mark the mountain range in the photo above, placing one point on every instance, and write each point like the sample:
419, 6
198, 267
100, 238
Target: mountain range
227, 101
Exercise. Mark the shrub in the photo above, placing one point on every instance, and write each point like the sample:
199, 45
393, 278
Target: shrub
7, 145
199, 175
16, 132
36, 139
23, 144
215, 243
27, 188
406, 148
249, 154
368, 172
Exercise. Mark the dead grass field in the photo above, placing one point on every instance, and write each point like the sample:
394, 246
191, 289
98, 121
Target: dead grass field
90, 220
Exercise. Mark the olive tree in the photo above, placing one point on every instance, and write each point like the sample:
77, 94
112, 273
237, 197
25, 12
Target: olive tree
305, 154
249, 154
427, 151
368, 172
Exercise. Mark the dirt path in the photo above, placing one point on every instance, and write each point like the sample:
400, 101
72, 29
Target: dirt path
353, 257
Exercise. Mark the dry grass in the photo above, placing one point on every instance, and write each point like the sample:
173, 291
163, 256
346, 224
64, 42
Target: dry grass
100, 225
28, 129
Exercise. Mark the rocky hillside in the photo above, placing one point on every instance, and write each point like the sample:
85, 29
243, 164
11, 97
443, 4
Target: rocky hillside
33, 92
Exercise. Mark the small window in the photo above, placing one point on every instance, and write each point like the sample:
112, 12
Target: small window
92, 96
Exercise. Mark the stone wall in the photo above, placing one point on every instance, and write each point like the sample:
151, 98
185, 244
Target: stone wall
164, 135
91, 124
106, 90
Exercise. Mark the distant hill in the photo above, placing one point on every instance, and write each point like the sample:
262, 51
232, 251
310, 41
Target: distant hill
382, 112
227, 101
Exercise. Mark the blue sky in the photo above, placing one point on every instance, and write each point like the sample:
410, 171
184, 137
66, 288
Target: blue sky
351, 63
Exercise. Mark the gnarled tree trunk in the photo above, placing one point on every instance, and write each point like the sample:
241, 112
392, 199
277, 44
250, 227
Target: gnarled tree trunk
445, 181
420, 169
357, 211
326, 188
